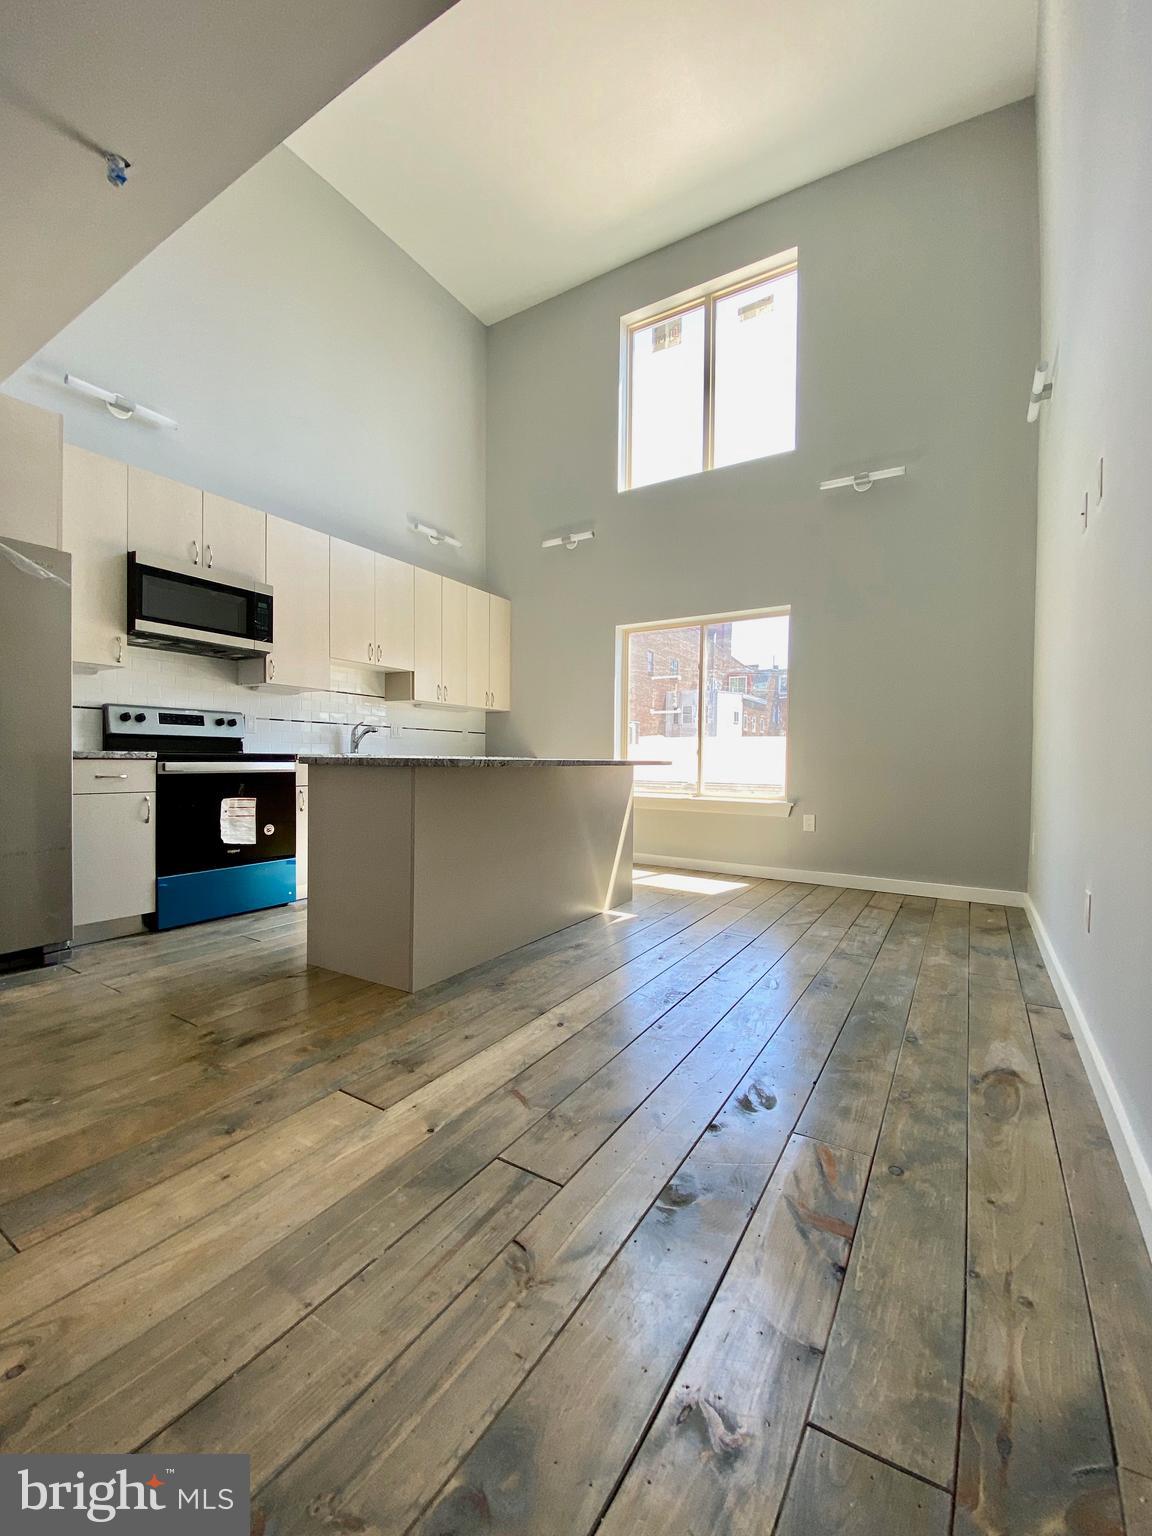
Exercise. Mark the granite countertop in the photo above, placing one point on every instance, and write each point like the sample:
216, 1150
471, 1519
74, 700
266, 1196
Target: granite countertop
146, 757
378, 760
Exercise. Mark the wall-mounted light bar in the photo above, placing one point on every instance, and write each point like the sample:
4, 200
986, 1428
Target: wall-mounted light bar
118, 406
865, 479
1041, 389
434, 535
569, 540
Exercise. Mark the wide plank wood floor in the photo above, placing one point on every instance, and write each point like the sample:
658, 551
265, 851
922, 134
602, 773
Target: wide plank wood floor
749, 1207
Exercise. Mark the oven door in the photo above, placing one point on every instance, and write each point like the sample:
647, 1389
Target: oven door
172, 610
218, 815
225, 839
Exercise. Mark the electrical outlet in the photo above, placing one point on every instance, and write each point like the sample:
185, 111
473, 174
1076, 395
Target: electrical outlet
1087, 911
809, 823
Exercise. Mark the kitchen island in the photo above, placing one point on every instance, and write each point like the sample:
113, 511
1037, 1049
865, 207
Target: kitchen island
420, 867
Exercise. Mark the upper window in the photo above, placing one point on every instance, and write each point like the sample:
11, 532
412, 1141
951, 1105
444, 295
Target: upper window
710, 377
718, 718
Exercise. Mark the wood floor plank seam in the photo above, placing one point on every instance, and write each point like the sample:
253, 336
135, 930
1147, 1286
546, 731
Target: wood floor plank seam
508, 1162
883, 1460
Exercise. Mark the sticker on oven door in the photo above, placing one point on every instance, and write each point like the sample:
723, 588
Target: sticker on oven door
238, 819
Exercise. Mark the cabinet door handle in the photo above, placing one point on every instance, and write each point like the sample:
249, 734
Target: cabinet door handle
109, 775
119, 649
370, 652
379, 653
300, 798
271, 668
147, 809
195, 553
208, 556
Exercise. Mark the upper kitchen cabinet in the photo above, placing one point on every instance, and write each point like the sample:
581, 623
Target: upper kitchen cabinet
352, 584
500, 653
454, 642
297, 572
478, 693
234, 541
395, 614
428, 637
165, 521
31, 448
95, 532
489, 646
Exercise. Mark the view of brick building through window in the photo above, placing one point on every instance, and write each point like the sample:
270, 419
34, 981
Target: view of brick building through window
728, 737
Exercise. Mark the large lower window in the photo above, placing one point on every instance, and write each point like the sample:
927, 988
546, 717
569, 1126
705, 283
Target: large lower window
709, 697
710, 377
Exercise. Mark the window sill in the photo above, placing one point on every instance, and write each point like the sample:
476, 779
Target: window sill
717, 803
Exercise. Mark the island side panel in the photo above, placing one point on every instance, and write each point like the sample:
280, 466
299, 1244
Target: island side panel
360, 872
506, 855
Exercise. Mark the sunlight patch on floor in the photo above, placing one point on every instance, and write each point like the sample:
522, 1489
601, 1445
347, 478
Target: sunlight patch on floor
669, 880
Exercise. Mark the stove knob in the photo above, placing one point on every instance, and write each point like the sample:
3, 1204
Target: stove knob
140, 719
125, 715
219, 720
231, 722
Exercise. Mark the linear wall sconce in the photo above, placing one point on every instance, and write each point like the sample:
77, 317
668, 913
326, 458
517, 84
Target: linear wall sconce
569, 540
434, 535
118, 406
866, 478
1041, 389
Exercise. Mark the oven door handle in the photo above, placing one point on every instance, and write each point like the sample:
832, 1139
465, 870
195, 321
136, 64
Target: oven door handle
237, 770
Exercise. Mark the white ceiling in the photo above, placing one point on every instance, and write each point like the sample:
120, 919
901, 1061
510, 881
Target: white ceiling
516, 148
190, 93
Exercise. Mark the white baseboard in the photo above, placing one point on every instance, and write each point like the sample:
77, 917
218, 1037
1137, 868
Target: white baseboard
1133, 1163
856, 882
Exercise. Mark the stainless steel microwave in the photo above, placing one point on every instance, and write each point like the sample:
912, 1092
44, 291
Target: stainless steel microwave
175, 611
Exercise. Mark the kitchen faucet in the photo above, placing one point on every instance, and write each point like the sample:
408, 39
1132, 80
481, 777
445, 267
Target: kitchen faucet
359, 732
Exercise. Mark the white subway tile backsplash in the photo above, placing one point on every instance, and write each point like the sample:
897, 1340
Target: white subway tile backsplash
302, 722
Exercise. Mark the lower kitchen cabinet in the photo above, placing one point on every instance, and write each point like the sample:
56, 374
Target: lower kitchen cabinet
113, 853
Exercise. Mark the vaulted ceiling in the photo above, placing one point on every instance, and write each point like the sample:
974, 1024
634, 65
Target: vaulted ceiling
516, 148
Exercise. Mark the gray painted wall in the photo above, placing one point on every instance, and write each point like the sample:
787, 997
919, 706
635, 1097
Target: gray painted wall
314, 369
911, 661
1092, 811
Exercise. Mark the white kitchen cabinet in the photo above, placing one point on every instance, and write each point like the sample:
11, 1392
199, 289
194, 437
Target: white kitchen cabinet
165, 521
499, 653
31, 445
297, 572
95, 532
478, 649
428, 639
234, 541
454, 642
489, 647
353, 597
395, 613
301, 838
113, 854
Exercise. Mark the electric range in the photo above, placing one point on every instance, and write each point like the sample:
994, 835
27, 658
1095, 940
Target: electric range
225, 818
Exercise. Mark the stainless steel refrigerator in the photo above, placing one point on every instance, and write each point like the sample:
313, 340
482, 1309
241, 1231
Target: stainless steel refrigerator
35, 752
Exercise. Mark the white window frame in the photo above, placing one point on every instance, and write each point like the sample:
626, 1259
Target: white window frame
696, 800
706, 294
